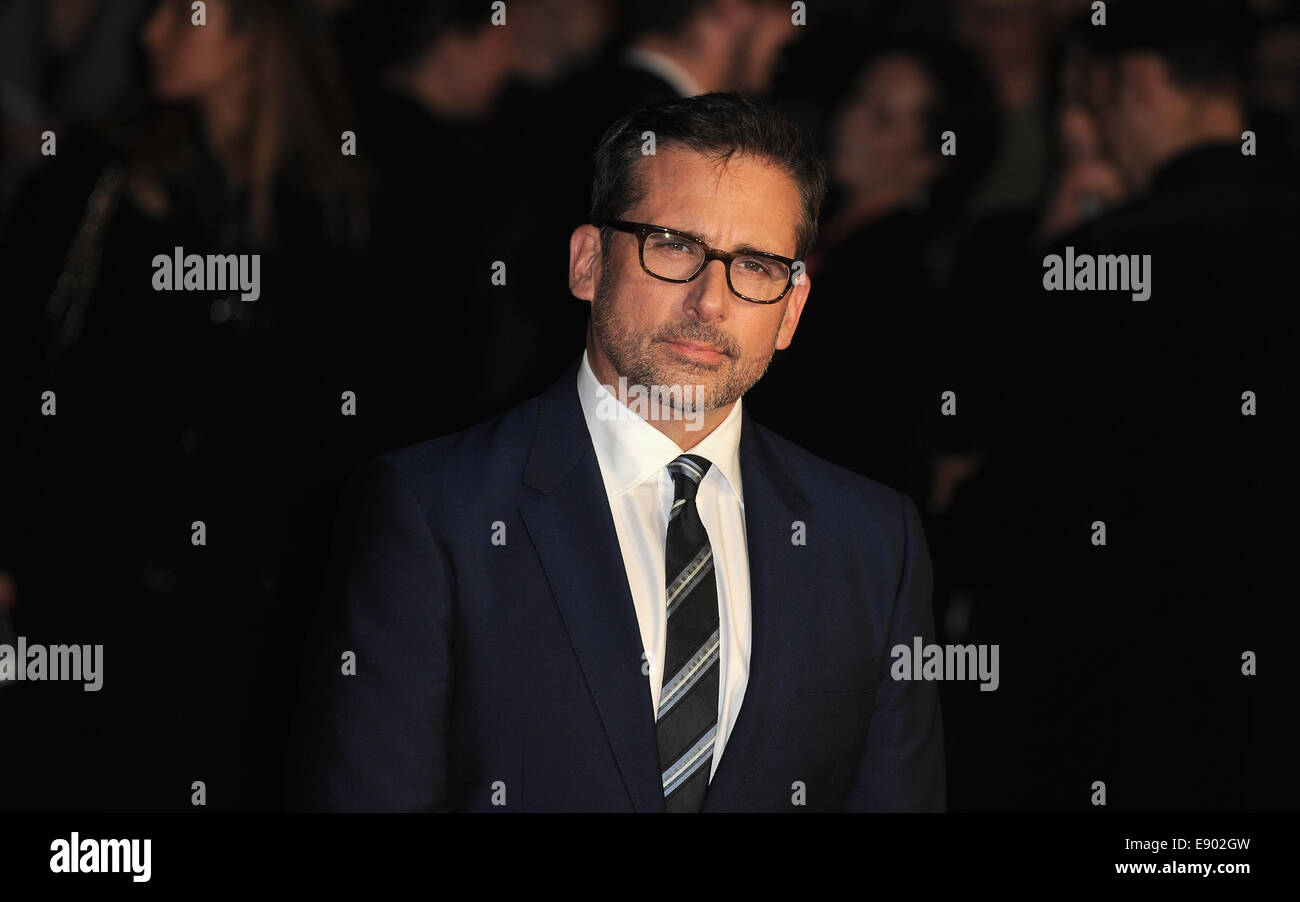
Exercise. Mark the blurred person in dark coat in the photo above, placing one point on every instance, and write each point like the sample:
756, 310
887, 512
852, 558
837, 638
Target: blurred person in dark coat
430, 80
62, 62
1085, 183
1134, 414
176, 407
1274, 88
427, 78
874, 266
1010, 37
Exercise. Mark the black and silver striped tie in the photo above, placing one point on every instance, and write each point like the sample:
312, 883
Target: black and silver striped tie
687, 720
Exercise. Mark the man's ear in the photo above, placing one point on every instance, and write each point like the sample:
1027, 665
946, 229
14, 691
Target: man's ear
793, 310
584, 262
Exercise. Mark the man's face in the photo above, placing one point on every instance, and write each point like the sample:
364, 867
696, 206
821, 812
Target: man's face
695, 333
1120, 97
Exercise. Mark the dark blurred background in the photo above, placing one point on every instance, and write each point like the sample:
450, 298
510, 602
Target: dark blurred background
473, 145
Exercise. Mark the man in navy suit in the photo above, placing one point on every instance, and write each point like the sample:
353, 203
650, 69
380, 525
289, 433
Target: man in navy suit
623, 594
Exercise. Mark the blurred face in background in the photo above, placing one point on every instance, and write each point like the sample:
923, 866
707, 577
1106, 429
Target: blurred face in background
1005, 33
880, 146
555, 36
771, 31
1276, 81
1089, 182
1077, 128
1129, 112
191, 62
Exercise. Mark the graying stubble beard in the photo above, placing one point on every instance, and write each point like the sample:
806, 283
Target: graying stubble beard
629, 354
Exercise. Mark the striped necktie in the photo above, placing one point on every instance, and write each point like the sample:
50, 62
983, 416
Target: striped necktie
687, 719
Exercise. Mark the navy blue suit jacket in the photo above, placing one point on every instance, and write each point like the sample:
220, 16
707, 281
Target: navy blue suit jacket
478, 580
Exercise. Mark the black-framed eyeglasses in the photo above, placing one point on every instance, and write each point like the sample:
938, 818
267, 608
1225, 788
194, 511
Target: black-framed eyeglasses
674, 256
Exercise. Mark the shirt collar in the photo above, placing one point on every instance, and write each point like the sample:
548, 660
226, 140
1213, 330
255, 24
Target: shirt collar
665, 68
630, 450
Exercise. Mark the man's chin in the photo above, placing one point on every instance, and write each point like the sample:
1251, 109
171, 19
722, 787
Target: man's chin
699, 384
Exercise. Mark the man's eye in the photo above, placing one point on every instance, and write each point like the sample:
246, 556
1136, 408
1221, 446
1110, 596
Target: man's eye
672, 245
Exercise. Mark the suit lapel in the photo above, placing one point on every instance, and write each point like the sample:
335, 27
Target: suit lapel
780, 576
572, 529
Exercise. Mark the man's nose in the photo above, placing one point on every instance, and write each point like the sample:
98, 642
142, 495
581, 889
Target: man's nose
710, 293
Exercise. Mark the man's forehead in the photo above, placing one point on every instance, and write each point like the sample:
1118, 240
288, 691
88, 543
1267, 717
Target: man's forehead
681, 168
702, 195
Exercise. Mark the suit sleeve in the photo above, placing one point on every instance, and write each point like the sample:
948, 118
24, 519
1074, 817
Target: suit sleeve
902, 766
376, 740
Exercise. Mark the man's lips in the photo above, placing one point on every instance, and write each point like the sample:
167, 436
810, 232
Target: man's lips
696, 349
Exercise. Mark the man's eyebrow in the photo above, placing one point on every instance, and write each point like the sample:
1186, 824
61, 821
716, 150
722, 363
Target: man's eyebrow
690, 233
741, 249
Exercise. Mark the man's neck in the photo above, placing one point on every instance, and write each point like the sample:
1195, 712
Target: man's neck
684, 432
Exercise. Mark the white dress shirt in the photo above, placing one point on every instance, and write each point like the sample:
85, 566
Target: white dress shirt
671, 72
633, 458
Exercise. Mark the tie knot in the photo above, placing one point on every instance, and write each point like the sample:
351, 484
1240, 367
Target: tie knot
687, 471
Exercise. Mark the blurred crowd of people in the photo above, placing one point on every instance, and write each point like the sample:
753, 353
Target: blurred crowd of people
966, 139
